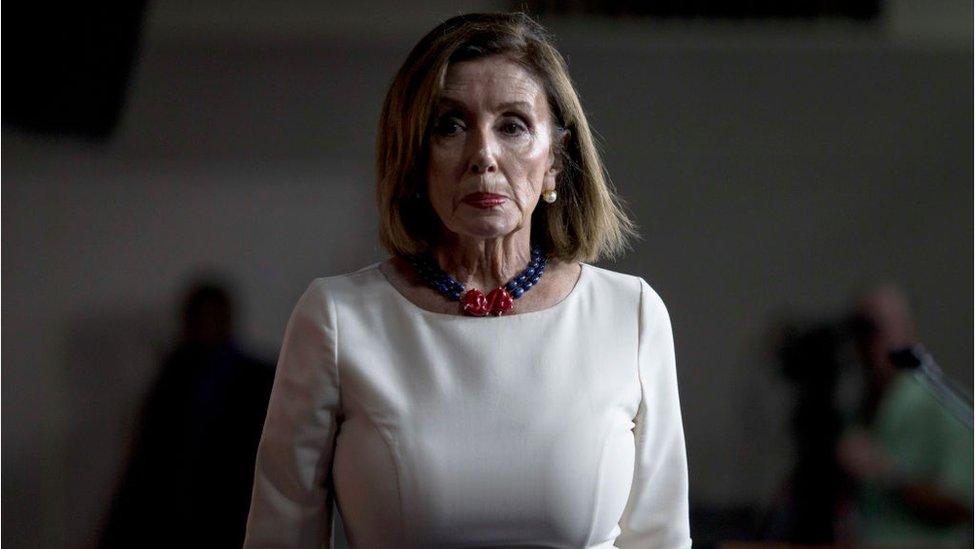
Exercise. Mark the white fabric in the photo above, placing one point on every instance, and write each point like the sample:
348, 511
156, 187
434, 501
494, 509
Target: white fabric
553, 428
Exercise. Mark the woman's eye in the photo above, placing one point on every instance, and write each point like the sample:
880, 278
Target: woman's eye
448, 126
513, 128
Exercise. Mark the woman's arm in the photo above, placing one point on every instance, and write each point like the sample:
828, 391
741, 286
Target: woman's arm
657, 511
290, 504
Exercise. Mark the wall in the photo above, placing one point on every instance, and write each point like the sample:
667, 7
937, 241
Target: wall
775, 169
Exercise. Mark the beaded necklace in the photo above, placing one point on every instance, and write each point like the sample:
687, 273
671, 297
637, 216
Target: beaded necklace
473, 302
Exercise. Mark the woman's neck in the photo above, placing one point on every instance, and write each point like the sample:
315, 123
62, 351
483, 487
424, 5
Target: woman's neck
484, 263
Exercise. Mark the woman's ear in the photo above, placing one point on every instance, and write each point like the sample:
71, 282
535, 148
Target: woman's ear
556, 157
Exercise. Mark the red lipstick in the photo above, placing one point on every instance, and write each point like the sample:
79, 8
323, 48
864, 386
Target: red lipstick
483, 200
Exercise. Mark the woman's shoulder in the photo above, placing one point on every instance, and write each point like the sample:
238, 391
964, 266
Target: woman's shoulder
628, 288
634, 285
361, 280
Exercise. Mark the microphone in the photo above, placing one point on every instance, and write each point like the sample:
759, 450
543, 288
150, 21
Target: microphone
947, 392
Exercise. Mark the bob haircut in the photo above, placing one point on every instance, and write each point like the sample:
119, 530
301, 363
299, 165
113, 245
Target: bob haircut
586, 223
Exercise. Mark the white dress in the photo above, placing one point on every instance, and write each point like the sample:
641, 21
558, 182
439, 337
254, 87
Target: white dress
553, 428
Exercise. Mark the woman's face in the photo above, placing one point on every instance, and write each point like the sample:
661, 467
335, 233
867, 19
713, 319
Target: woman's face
490, 152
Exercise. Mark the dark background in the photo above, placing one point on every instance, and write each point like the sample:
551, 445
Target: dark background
777, 166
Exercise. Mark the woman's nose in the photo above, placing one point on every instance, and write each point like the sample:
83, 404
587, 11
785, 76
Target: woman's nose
483, 165
483, 157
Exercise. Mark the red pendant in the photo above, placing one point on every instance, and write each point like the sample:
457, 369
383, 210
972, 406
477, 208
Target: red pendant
473, 302
500, 301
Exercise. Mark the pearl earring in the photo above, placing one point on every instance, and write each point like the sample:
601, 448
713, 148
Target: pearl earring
549, 196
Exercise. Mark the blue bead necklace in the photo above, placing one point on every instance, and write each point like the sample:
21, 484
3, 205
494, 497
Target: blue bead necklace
445, 284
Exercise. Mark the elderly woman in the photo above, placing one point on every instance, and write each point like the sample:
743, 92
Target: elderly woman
484, 386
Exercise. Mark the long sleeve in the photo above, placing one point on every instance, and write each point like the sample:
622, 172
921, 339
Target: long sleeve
291, 503
656, 514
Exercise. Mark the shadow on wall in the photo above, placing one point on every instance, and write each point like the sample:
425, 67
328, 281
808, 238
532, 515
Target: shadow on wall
191, 464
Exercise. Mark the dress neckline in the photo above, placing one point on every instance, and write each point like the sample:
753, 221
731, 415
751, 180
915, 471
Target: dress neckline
578, 288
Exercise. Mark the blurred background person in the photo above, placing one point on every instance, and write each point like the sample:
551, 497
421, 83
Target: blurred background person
808, 502
189, 478
877, 458
910, 458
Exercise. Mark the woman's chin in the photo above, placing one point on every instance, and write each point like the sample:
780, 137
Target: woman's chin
486, 228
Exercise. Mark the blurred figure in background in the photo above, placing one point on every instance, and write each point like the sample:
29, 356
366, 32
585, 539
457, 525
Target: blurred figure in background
893, 468
806, 506
910, 461
189, 478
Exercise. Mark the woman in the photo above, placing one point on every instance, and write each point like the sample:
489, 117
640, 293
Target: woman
483, 387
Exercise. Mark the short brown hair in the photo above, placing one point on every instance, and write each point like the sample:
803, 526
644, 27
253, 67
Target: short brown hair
586, 223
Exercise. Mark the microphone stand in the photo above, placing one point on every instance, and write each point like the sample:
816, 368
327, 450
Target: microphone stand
947, 392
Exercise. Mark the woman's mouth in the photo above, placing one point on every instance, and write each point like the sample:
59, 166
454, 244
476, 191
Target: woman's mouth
483, 200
